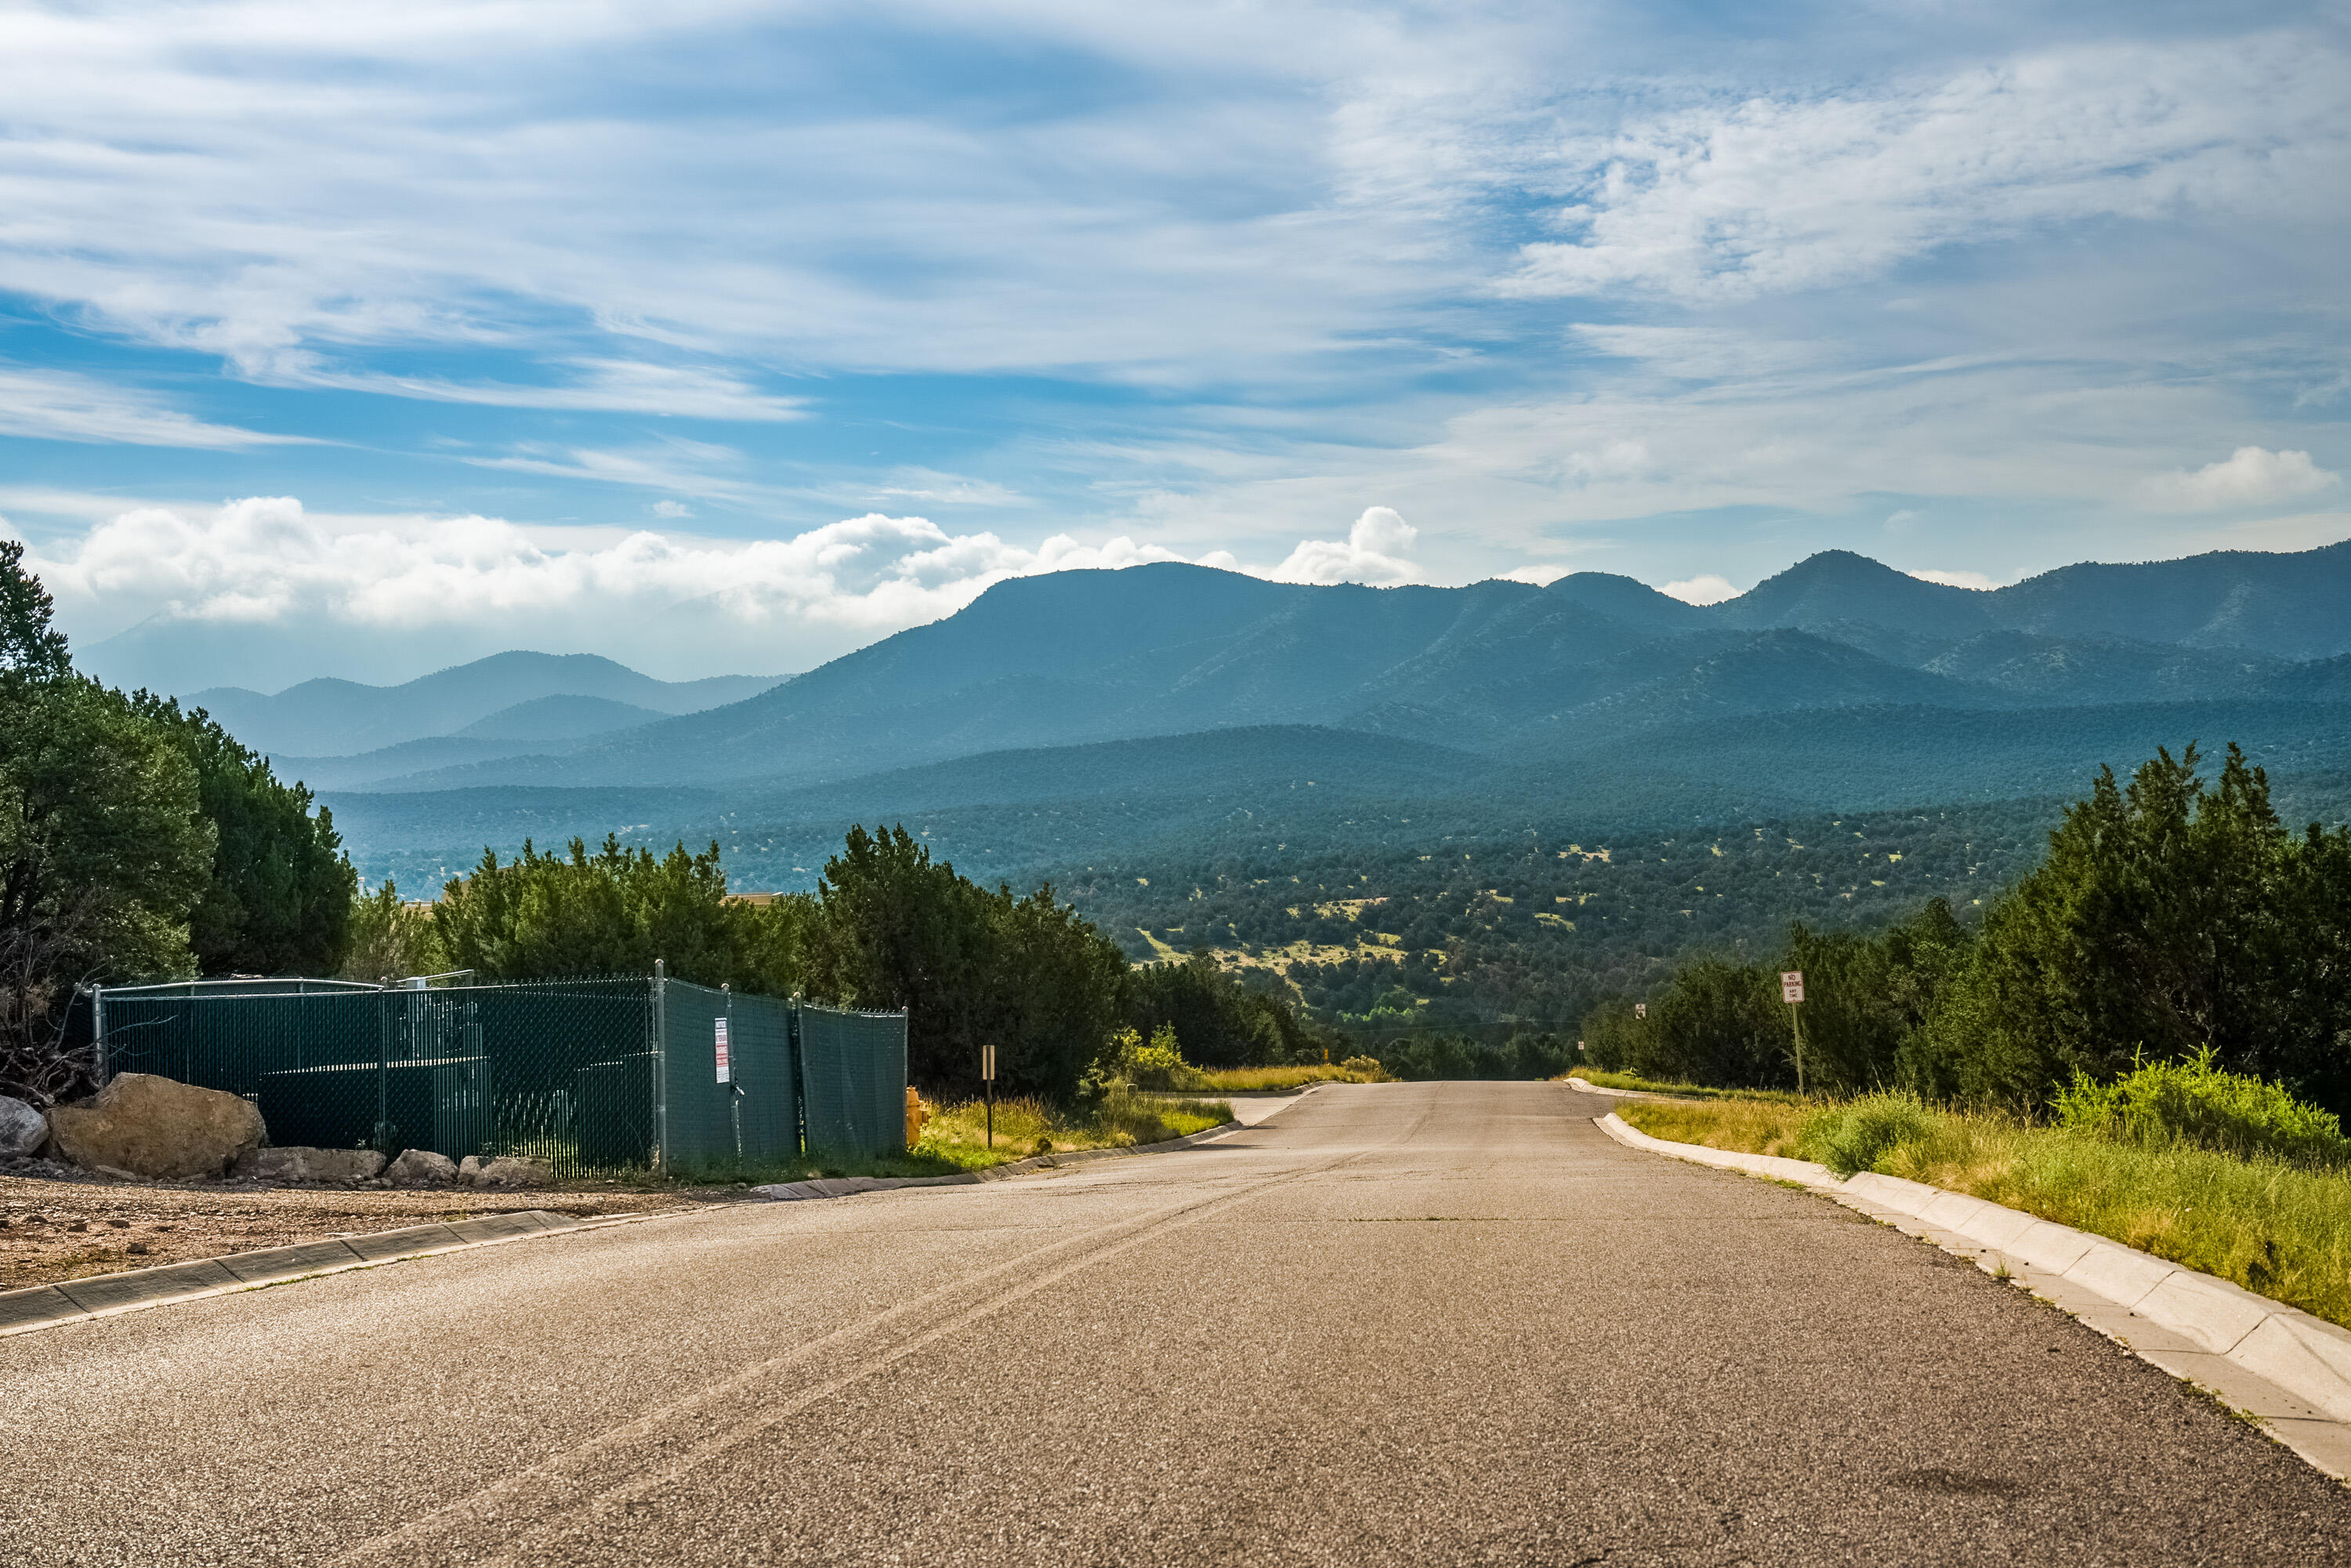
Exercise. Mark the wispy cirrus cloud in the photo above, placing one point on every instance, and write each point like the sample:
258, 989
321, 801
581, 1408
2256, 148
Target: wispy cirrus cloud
60, 405
1777, 193
610, 386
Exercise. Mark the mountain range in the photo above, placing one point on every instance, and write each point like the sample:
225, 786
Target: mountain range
516, 701
1522, 672
1059, 717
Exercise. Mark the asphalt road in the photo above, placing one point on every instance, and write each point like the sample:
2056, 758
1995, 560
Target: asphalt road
1420, 1323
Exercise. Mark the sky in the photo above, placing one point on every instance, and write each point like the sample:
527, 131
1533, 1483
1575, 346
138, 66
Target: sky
725, 338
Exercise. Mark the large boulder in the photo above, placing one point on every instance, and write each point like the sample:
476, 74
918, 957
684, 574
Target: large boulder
142, 1125
23, 1130
299, 1164
505, 1170
421, 1168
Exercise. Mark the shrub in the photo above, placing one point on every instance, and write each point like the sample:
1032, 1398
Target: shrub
1854, 1137
2194, 1102
1158, 1065
1366, 1068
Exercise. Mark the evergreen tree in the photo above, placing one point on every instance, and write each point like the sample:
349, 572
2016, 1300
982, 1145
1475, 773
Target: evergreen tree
615, 912
2168, 918
896, 929
281, 891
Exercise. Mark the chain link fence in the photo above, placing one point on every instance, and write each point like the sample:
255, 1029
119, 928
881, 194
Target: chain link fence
593, 1076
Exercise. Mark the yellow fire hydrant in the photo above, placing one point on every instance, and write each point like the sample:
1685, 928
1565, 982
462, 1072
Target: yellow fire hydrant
918, 1112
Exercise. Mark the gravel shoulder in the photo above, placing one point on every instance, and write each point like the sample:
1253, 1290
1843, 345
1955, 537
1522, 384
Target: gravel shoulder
54, 1228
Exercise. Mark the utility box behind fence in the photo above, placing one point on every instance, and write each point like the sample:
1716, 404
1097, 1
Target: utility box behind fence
602, 1075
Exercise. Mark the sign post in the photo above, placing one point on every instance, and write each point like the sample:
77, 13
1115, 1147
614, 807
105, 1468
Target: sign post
1791, 991
720, 1032
987, 1078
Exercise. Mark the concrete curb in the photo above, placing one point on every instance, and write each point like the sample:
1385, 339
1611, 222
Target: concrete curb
2289, 1371
109, 1295
846, 1187
1590, 1088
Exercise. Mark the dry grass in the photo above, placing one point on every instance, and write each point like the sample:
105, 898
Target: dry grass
957, 1134
1592, 1075
1270, 1080
2276, 1229
1740, 1127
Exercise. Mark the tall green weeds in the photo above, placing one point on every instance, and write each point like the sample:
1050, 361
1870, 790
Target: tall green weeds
2194, 1102
2276, 1227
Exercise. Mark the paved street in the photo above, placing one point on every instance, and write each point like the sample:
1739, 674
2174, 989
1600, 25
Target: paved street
1402, 1324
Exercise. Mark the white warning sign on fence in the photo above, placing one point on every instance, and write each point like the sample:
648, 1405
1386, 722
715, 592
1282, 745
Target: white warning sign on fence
718, 1028
1791, 986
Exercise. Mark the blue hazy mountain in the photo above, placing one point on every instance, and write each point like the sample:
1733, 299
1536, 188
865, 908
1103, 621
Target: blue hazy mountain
568, 717
1165, 649
520, 697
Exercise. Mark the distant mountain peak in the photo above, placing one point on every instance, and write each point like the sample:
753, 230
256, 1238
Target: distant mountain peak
1838, 585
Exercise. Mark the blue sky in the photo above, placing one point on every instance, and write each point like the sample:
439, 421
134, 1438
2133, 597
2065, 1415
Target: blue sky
721, 337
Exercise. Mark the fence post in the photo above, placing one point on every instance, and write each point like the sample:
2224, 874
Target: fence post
661, 1066
799, 1082
97, 1033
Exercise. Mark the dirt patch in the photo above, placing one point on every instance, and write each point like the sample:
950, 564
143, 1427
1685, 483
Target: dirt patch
69, 1229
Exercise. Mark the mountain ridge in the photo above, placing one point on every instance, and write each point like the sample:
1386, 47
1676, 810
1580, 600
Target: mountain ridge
330, 717
1504, 667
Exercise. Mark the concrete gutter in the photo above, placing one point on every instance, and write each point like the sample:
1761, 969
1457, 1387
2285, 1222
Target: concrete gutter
108, 1295
2286, 1370
846, 1187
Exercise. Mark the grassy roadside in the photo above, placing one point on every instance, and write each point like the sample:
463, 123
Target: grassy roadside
954, 1139
2279, 1229
1273, 1079
1683, 1091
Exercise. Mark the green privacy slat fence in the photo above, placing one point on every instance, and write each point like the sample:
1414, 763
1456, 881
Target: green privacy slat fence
601, 1075
855, 1068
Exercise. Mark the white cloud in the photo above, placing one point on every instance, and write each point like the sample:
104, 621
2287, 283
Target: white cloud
1772, 193
1542, 574
1707, 588
671, 509
266, 561
2249, 476
1377, 550
58, 405
1975, 579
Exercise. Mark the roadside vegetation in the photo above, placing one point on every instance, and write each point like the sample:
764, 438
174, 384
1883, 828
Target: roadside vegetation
1636, 1083
2173, 915
2216, 1171
1274, 1080
955, 1138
